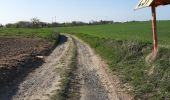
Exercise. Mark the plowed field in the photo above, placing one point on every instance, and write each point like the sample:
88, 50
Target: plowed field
17, 53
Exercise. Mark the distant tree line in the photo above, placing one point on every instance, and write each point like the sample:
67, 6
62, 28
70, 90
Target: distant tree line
100, 22
36, 23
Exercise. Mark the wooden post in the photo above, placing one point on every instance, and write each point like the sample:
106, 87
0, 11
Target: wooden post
154, 29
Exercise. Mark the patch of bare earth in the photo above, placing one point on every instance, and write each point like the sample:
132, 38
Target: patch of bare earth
12, 49
15, 53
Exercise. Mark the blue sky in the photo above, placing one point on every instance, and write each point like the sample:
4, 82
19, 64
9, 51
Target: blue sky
81, 10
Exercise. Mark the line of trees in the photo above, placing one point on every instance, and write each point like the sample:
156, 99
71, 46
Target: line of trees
1, 26
36, 23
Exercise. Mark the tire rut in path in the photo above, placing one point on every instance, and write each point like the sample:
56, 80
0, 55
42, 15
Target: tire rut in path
92, 88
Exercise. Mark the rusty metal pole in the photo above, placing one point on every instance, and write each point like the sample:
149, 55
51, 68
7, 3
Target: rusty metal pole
154, 29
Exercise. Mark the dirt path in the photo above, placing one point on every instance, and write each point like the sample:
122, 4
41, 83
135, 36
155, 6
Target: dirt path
97, 81
92, 76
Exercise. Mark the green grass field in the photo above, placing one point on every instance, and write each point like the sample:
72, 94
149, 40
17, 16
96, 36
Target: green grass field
127, 31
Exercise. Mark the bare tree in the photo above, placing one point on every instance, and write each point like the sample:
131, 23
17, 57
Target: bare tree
35, 23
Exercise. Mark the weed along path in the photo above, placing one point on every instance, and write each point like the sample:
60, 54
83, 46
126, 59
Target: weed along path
72, 72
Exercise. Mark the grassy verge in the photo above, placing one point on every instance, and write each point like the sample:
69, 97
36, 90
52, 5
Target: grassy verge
127, 60
44, 33
68, 90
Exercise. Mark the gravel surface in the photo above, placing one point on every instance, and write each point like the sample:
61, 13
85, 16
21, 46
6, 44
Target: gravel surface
92, 88
98, 82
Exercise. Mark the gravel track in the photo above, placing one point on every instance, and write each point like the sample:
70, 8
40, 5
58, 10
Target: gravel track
98, 83
92, 88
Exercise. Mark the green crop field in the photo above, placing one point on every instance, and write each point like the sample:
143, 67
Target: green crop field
125, 47
44, 33
126, 31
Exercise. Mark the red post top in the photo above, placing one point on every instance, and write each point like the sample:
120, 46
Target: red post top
160, 2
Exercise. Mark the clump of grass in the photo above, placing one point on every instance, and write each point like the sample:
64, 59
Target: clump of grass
160, 78
67, 90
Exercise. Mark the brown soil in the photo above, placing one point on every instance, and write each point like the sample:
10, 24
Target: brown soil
15, 53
